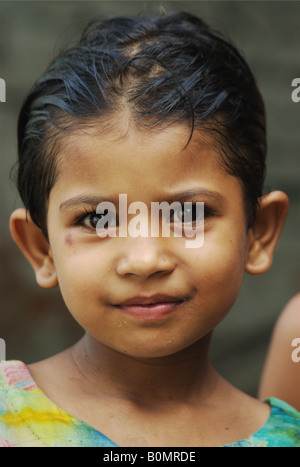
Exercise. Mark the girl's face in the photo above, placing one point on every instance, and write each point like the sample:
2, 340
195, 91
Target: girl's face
197, 286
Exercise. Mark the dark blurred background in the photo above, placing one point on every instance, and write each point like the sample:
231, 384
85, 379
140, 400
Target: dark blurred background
34, 322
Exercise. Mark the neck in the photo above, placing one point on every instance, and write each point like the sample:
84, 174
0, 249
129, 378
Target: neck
183, 376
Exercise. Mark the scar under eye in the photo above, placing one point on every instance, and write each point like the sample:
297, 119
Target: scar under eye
69, 240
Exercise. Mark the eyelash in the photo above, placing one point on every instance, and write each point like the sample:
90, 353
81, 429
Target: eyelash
89, 212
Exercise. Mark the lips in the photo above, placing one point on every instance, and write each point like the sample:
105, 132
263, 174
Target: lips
151, 308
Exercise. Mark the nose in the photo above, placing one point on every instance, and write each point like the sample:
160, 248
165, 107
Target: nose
144, 257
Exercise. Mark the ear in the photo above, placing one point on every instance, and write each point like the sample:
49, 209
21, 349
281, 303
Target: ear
264, 234
35, 247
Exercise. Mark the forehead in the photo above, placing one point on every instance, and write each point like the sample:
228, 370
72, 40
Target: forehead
157, 160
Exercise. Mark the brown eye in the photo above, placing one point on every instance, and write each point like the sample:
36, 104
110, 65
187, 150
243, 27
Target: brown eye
91, 220
188, 213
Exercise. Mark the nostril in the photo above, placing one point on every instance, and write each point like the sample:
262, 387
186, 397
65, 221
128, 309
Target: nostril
145, 266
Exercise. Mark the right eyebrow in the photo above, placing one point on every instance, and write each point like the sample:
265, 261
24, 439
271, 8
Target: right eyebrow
85, 199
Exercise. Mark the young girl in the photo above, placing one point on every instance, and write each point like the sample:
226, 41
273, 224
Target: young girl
161, 110
281, 375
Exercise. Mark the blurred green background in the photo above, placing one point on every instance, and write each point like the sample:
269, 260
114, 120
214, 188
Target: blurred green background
34, 322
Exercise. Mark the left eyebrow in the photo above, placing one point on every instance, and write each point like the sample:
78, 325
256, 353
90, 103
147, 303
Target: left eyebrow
181, 196
201, 192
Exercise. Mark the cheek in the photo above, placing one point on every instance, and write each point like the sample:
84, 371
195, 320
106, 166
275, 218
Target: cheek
219, 270
80, 275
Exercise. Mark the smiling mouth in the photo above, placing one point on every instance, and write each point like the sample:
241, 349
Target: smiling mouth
151, 308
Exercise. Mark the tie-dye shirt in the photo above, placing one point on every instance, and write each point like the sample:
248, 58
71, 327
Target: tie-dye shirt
29, 419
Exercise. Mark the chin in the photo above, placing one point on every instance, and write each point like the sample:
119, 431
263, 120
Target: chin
166, 349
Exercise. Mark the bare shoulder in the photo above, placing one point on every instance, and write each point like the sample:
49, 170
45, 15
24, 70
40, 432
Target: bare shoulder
281, 373
287, 327
51, 373
243, 415
291, 313
250, 408
49, 365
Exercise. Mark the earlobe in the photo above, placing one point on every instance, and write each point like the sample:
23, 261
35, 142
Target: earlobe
265, 232
35, 247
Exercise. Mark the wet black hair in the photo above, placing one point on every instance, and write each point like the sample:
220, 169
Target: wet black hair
163, 69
